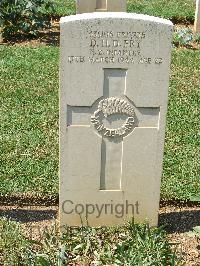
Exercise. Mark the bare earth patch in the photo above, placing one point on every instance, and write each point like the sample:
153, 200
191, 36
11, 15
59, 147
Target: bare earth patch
52, 37
46, 37
179, 221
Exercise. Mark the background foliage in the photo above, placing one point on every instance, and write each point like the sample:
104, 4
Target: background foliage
24, 16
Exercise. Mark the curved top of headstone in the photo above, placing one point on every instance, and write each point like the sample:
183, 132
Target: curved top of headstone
115, 15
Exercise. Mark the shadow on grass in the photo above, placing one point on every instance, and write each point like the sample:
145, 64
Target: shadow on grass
26, 216
180, 221
176, 222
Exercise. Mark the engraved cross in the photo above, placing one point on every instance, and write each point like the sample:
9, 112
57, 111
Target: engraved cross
113, 117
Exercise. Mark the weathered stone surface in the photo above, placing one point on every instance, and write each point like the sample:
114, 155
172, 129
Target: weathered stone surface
114, 81
83, 6
197, 18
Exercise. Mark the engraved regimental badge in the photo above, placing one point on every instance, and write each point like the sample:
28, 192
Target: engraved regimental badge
109, 107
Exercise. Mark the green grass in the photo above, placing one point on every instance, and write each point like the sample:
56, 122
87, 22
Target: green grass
178, 10
29, 120
29, 123
129, 245
182, 149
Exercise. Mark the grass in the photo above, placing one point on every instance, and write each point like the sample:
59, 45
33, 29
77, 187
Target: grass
131, 244
29, 124
177, 10
29, 120
182, 149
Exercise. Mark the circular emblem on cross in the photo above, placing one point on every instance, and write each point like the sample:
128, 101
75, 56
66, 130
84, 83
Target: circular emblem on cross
108, 108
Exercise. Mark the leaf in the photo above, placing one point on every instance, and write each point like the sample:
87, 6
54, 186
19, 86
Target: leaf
19, 16
191, 234
195, 198
61, 254
78, 247
197, 230
42, 260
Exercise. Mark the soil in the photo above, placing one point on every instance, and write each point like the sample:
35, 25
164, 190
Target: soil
51, 37
179, 222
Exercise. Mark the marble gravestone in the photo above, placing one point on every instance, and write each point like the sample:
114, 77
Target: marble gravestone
114, 79
84, 6
197, 18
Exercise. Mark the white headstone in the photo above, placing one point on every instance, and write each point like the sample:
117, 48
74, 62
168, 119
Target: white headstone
83, 6
197, 18
113, 101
